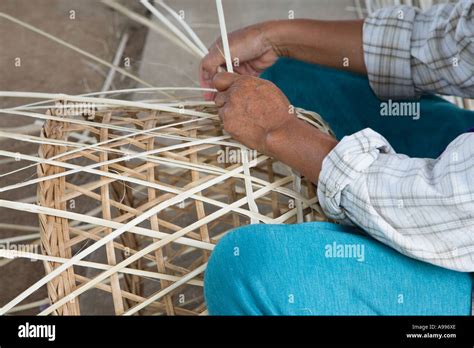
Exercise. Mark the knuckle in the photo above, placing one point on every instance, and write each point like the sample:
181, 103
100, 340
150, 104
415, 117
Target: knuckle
206, 61
223, 113
232, 96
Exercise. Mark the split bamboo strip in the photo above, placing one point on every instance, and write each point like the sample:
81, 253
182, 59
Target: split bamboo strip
148, 23
74, 48
173, 28
32, 256
185, 26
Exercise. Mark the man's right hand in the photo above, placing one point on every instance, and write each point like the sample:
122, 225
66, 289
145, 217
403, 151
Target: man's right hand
252, 50
329, 43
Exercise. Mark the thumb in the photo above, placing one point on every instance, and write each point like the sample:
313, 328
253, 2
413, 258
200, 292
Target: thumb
210, 64
222, 81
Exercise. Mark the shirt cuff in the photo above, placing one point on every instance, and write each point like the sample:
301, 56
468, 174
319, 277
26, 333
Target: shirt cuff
346, 163
387, 37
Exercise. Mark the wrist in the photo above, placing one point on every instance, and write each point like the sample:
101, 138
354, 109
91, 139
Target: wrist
280, 138
301, 146
286, 37
277, 33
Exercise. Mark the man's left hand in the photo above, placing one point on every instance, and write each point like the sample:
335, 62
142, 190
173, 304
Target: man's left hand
251, 109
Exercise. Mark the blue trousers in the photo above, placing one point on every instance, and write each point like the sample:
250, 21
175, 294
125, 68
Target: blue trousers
322, 268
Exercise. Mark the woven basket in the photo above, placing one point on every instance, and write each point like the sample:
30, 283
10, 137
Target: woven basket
199, 181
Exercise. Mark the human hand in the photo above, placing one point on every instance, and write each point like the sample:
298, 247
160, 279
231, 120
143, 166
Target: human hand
254, 48
251, 109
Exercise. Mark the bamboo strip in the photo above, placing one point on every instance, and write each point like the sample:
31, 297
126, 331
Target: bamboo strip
105, 101
170, 288
74, 48
146, 22
6, 253
31, 305
185, 26
33, 208
173, 28
116, 61
225, 42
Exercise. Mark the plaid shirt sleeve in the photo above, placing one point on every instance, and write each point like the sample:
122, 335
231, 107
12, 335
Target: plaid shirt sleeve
424, 208
408, 52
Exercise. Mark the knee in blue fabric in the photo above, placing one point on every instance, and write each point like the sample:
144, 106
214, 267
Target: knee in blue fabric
232, 267
297, 270
274, 270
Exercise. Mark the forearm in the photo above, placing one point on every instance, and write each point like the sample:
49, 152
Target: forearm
300, 146
336, 44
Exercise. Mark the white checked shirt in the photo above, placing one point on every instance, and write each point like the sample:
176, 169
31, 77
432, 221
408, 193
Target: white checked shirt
424, 208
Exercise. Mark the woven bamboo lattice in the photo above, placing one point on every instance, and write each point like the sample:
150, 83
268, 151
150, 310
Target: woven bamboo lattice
169, 193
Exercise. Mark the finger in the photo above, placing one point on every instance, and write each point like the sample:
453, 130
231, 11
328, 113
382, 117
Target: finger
246, 69
208, 68
211, 62
224, 80
221, 99
222, 113
209, 96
